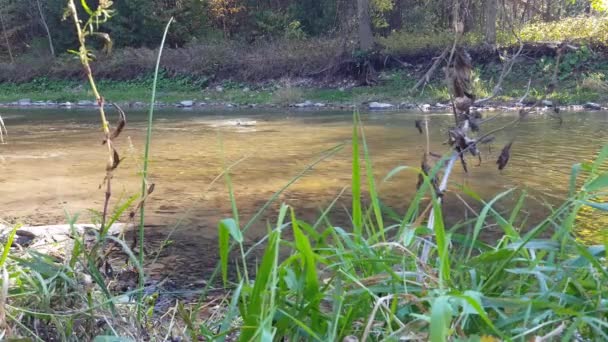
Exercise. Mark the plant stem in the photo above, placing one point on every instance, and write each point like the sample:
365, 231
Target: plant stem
144, 176
84, 60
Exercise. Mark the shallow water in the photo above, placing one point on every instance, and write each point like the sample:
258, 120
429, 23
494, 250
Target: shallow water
54, 163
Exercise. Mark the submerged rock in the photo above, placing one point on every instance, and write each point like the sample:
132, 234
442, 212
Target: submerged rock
379, 106
547, 103
592, 106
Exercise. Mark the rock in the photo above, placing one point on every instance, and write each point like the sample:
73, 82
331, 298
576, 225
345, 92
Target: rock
341, 89
246, 89
51, 103
426, 107
24, 102
406, 105
202, 104
66, 104
547, 103
319, 104
187, 103
219, 89
304, 104
592, 106
379, 106
440, 105
85, 103
229, 105
40, 103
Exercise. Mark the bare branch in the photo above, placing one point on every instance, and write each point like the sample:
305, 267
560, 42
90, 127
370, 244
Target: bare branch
427, 76
521, 101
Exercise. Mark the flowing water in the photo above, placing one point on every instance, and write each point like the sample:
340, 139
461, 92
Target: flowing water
53, 165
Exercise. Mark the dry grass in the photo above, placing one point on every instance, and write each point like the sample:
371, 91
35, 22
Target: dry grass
215, 60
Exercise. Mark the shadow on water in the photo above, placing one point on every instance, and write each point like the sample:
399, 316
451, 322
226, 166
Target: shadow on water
53, 163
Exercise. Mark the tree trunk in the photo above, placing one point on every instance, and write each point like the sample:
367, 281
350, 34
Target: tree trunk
46, 27
490, 22
8, 43
395, 21
366, 37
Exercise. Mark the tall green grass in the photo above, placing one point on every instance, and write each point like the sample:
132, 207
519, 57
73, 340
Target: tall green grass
369, 282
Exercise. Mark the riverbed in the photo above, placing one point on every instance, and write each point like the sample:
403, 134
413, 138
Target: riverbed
53, 163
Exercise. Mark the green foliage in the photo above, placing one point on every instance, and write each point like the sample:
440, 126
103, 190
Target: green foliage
519, 287
578, 29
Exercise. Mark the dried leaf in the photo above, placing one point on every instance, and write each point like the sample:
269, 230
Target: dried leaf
464, 163
418, 124
115, 160
120, 125
503, 159
151, 189
424, 166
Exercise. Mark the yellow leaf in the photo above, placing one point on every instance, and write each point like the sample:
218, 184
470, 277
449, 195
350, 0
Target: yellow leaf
488, 338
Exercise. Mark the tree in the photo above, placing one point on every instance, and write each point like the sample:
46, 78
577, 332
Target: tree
366, 37
490, 22
223, 11
7, 41
46, 28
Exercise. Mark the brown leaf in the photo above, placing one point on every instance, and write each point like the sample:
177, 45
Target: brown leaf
503, 159
464, 163
151, 189
424, 166
418, 124
120, 125
115, 159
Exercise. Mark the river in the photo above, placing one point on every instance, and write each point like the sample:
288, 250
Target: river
53, 164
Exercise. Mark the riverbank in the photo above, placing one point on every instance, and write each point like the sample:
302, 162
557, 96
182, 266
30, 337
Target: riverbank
391, 93
579, 84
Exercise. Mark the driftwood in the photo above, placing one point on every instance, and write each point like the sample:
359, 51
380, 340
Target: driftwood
427, 76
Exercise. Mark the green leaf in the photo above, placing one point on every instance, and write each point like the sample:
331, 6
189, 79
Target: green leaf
490, 257
442, 243
8, 244
232, 228
308, 256
86, 7
601, 157
371, 183
481, 220
595, 205
546, 245
252, 317
598, 183
394, 172
576, 169
441, 319
356, 181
